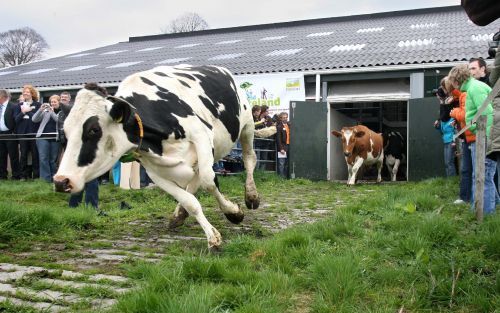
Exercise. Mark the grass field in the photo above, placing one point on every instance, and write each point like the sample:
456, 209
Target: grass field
311, 247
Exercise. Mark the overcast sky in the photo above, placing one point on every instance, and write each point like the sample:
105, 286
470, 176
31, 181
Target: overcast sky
71, 26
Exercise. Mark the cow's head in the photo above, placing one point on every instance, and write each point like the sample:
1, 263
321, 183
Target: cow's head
95, 138
348, 136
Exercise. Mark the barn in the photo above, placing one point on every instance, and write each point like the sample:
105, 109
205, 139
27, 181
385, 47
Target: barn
376, 69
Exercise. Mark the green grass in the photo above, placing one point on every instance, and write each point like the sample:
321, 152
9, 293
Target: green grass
381, 248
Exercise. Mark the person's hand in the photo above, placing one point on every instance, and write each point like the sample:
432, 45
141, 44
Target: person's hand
454, 123
282, 151
25, 108
436, 123
448, 100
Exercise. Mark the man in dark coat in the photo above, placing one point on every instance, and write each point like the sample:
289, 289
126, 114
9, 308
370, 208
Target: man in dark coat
8, 146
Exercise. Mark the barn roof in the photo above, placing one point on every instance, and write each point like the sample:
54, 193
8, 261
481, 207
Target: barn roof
422, 36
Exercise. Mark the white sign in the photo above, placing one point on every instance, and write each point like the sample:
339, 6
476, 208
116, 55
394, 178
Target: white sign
274, 90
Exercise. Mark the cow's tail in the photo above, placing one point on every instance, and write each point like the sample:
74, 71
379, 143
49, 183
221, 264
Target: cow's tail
265, 132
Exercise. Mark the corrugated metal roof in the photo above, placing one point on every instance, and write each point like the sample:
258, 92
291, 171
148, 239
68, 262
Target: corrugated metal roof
420, 36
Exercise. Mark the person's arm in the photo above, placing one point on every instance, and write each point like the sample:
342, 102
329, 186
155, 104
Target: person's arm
473, 103
37, 116
495, 72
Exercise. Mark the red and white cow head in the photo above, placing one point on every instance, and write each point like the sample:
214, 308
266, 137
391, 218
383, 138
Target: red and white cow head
348, 136
95, 139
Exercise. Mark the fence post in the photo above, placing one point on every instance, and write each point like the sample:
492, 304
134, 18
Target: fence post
480, 167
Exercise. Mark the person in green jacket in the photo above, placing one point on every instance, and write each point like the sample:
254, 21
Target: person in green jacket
477, 92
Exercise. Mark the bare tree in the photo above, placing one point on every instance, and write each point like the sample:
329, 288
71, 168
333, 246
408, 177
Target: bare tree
187, 22
19, 46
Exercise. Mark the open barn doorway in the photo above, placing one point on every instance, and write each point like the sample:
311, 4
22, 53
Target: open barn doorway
381, 117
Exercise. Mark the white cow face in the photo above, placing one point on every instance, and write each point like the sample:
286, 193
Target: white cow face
348, 136
95, 140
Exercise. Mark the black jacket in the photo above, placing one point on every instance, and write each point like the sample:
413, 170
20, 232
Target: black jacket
25, 125
9, 116
281, 137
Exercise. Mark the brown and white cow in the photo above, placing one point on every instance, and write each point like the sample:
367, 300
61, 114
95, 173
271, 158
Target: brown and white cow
362, 147
176, 121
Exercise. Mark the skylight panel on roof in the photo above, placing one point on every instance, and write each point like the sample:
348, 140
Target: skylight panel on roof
424, 25
189, 45
283, 52
228, 42
6, 72
42, 70
320, 34
370, 30
226, 56
415, 43
149, 49
272, 38
113, 52
170, 61
79, 68
342, 48
484, 37
79, 55
124, 64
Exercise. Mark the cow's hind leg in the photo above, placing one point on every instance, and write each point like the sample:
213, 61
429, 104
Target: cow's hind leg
252, 199
231, 210
180, 213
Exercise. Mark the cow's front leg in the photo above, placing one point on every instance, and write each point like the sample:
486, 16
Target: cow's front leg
192, 206
395, 169
180, 214
355, 167
349, 173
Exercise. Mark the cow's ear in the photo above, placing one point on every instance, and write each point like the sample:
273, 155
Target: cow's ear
336, 133
359, 133
120, 110
66, 108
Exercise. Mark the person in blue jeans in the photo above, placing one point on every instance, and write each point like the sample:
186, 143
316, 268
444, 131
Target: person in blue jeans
91, 195
477, 92
448, 130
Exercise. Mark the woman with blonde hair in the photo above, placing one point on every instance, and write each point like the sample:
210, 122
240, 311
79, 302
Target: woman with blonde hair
25, 128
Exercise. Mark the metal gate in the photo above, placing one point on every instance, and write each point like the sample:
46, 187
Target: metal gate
425, 146
308, 140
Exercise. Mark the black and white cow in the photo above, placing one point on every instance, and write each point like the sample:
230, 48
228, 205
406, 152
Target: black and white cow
395, 152
177, 121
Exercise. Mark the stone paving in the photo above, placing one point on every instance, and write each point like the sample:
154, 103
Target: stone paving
52, 290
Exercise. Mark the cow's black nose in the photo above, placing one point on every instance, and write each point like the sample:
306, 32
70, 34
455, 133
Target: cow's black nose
347, 154
62, 185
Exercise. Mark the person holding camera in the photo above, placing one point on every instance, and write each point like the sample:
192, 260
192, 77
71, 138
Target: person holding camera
477, 92
25, 127
48, 149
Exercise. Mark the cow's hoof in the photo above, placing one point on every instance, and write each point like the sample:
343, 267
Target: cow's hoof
215, 249
179, 219
252, 204
235, 218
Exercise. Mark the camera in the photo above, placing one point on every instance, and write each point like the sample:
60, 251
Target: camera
493, 45
440, 93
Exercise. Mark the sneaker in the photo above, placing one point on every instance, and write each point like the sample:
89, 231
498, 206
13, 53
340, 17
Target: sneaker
459, 201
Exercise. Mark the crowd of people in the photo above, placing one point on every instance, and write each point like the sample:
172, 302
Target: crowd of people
33, 140
461, 94
262, 119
